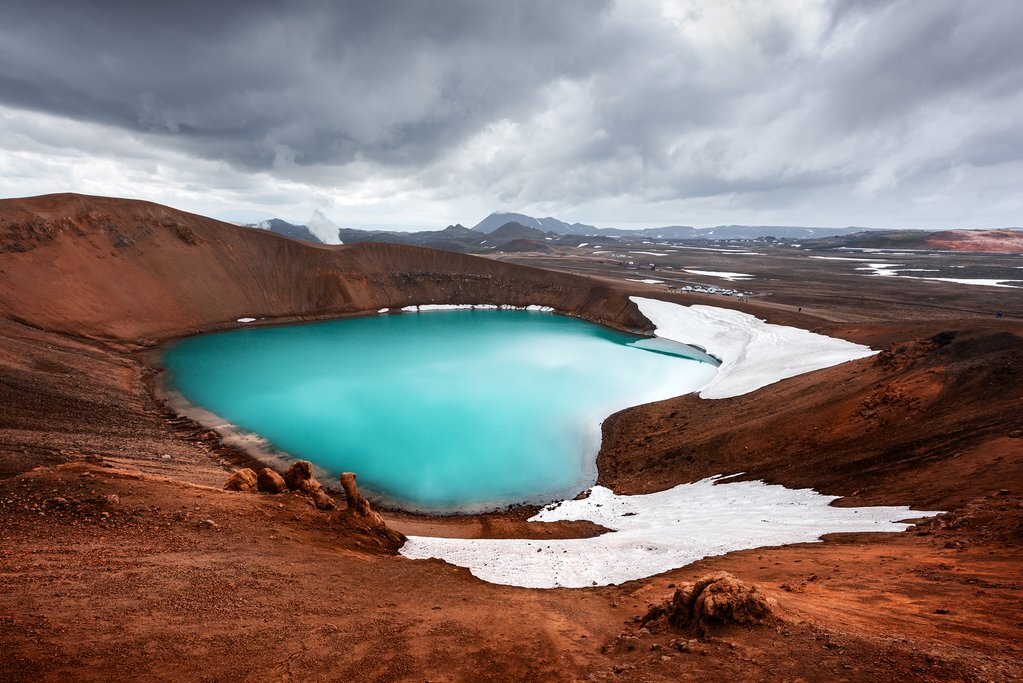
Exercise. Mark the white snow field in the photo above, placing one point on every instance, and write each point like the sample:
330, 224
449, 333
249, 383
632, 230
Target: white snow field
658, 532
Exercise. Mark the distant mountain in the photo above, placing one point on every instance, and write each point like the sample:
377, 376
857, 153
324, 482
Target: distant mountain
677, 232
298, 232
496, 220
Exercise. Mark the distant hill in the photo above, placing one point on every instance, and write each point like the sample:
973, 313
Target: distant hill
514, 230
452, 238
1006, 240
298, 232
725, 232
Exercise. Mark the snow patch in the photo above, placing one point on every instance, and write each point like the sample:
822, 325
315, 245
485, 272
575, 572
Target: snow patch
753, 352
646, 282
657, 532
983, 282
649, 253
246, 320
721, 274
882, 269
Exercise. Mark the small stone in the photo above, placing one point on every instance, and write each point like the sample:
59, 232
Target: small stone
243, 480
269, 481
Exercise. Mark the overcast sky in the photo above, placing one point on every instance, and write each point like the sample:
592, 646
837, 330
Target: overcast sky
423, 113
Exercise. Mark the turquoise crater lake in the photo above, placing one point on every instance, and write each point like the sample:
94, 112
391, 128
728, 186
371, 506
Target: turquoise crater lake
445, 411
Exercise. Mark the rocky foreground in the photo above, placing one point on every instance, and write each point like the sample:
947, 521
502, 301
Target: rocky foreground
123, 557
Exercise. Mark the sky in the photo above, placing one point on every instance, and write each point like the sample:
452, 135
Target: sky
414, 114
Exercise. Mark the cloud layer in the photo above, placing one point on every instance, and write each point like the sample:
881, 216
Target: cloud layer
645, 112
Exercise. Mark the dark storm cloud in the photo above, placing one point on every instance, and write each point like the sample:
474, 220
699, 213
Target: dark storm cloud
307, 82
826, 106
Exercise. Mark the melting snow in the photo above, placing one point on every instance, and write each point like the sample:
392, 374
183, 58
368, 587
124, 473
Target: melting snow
721, 274
648, 282
753, 353
882, 269
975, 281
657, 532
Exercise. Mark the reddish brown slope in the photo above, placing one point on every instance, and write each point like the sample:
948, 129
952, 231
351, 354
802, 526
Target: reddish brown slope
990, 241
933, 423
133, 270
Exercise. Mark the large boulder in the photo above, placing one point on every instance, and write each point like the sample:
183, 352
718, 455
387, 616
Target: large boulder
269, 481
363, 522
299, 477
715, 600
243, 480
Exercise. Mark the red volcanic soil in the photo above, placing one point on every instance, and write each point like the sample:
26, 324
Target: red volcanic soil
992, 241
121, 557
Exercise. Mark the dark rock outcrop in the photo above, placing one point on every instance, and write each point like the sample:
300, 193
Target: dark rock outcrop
362, 521
299, 477
715, 600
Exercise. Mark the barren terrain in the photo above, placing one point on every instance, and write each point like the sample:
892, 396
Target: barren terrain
121, 557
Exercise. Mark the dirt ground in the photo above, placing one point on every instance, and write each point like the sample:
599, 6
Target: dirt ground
122, 558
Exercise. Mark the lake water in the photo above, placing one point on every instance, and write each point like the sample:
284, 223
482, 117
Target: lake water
448, 411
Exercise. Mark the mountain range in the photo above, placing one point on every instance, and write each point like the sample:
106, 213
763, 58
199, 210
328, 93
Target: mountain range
459, 238
495, 220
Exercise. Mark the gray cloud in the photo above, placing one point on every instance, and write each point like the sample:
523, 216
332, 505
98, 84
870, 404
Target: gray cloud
310, 82
835, 112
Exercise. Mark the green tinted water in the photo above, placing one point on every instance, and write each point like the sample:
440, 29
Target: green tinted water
441, 411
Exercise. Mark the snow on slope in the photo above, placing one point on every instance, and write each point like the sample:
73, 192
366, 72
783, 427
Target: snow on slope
657, 532
753, 353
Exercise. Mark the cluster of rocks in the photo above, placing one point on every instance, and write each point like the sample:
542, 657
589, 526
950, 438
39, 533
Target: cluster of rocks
299, 477
715, 600
358, 516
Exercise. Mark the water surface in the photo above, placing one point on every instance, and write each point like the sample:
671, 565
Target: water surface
442, 411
